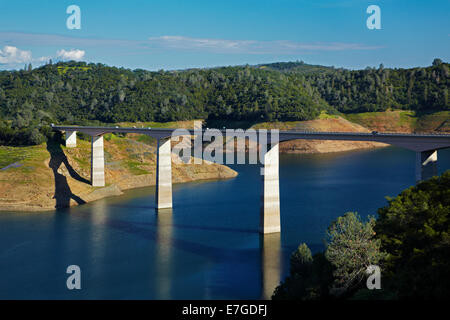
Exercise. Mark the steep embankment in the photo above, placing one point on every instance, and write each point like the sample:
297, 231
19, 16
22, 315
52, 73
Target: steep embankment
403, 121
50, 175
325, 123
389, 121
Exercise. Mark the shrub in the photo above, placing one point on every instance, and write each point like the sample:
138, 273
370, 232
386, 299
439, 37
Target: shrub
351, 249
309, 278
301, 260
414, 229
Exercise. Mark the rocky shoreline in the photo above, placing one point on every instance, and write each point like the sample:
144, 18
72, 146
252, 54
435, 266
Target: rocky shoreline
52, 176
59, 178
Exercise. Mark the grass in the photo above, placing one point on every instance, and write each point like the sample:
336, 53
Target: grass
407, 118
324, 115
402, 118
435, 119
110, 136
146, 139
285, 125
290, 125
134, 167
9, 155
163, 125
81, 153
84, 163
355, 117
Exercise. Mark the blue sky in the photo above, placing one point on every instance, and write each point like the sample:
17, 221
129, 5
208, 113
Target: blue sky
171, 34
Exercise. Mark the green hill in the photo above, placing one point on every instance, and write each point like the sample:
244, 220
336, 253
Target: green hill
77, 91
80, 93
298, 67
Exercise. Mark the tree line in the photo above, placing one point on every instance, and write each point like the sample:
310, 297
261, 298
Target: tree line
80, 93
376, 89
408, 242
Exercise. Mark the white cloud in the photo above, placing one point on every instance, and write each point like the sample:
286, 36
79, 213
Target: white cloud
182, 43
13, 55
42, 39
74, 54
187, 42
251, 46
43, 59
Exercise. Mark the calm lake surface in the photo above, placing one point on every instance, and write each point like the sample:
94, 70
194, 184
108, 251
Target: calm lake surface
208, 246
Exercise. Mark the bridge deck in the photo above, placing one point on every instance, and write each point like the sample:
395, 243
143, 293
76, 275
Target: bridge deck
415, 142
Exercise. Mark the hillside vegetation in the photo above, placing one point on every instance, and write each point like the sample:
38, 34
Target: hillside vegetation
49, 175
80, 93
403, 121
408, 241
109, 94
376, 89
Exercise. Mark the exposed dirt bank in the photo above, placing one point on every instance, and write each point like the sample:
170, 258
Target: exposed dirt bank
336, 124
49, 176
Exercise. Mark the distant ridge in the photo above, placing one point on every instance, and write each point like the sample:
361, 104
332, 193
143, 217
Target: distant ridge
81, 93
296, 67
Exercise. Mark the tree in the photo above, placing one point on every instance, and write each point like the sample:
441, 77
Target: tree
35, 137
309, 278
78, 92
301, 260
351, 249
414, 229
437, 62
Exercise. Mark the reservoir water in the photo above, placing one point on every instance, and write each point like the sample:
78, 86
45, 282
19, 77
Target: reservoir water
208, 246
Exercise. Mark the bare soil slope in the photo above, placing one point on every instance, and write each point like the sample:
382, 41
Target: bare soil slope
50, 175
337, 124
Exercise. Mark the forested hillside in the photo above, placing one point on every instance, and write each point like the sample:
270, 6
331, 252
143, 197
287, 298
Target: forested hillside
108, 94
420, 89
76, 92
298, 67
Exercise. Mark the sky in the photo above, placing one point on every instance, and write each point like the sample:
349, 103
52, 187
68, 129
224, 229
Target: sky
171, 34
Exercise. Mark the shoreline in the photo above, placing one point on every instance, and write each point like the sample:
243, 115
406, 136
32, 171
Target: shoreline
50, 176
111, 191
53, 176
146, 181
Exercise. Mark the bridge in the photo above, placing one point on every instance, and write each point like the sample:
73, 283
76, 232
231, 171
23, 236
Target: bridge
425, 146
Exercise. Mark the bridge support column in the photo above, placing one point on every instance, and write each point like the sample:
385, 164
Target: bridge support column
426, 165
71, 139
164, 175
270, 198
97, 162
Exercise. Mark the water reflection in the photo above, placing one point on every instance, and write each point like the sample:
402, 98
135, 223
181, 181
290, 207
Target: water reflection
270, 246
96, 239
164, 245
209, 247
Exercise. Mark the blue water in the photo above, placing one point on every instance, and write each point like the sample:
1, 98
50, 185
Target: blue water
208, 246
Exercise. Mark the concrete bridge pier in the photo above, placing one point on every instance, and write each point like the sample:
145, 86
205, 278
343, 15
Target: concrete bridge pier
97, 162
270, 198
164, 175
426, 165
71, 139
